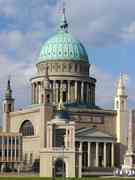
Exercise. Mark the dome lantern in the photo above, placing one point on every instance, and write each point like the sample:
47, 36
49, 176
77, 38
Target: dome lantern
63, 21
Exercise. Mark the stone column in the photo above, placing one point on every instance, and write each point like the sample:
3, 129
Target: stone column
90, 94
18, 147
57, 92
69, 91
112, 155
82, 91
76, 85
21, 153
93, 94
67, 138
50, 136
97, 154
2, 148
80, 161
11, 148
87, 94
89, 154
54, 92
61, 91
15, 148
7, 148
32, 93
35, 93
39, 93
104, 154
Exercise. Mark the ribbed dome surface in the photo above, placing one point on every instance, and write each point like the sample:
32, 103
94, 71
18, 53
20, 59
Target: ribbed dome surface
63, 46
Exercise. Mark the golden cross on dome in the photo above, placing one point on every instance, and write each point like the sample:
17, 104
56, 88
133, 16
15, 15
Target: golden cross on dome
64, 7
63, 22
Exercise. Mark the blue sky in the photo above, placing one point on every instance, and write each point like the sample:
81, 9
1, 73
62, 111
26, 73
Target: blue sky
106, 28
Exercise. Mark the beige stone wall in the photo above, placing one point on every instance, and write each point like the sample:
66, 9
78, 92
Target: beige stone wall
122, 127
107, 124
32, 114
38, 116
31, 145
46, 115
49, 157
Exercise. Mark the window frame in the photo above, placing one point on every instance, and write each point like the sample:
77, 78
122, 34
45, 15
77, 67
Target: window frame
27, 129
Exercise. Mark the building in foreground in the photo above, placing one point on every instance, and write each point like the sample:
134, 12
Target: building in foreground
64, 128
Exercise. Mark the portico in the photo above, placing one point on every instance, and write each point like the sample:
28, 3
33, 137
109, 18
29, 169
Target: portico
96, 149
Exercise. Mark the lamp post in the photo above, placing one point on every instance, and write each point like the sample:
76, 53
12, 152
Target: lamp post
53, 170
63, 168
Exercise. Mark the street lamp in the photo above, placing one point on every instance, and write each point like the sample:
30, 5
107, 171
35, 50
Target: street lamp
63, 168
53, 169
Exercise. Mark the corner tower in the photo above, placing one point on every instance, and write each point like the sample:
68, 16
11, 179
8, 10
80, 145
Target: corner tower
8, 106
122, 112
68, 69
121, 119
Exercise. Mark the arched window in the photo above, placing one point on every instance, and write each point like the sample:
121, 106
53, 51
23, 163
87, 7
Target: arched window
27, 128
48, 98
123, 105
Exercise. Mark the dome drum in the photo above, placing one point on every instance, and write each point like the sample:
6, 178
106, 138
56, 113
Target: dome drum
68, 68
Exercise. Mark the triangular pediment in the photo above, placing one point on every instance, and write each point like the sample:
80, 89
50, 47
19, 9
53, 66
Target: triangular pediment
91, 132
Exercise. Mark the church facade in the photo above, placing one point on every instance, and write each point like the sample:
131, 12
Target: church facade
64, 128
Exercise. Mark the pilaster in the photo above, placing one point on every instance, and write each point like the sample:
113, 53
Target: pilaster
97, 154
82, 91
104, 154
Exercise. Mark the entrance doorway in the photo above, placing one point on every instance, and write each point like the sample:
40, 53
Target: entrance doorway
59, 168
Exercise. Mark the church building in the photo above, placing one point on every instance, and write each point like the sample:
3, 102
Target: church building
64, 129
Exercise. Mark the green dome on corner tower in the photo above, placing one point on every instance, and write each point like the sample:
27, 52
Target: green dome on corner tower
63, 46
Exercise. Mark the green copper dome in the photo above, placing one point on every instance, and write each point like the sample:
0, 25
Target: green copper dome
63, 46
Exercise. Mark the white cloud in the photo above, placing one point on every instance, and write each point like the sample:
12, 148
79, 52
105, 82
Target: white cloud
20, 74
105, 87
8, 7
11, 40
129, 32
100, 23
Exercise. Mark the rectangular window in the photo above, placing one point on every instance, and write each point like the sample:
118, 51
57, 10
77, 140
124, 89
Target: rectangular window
13, 140
5, 153
13, 152
10, 140
59, 135
9, 152
0, 152
0, 139
5, 140
17, 140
